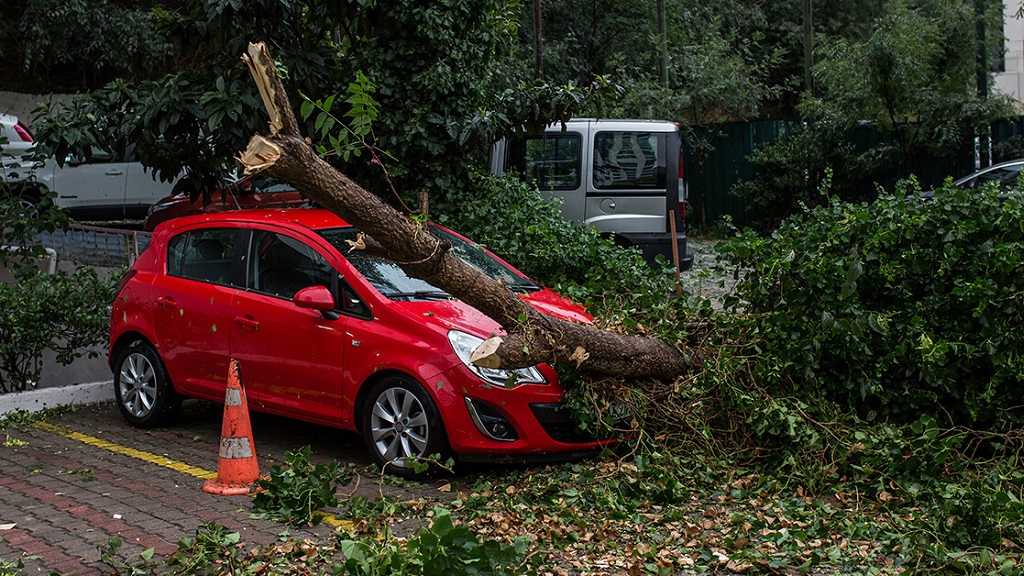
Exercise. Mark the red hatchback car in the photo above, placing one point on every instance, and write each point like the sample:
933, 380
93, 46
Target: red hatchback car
332, 337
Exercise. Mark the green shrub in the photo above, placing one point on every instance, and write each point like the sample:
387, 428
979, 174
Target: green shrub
899, 308
66, 313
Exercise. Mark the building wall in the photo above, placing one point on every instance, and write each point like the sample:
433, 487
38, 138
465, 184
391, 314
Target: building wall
1011, 81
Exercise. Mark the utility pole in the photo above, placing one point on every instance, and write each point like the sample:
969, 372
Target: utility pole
538, 49
984, 141
808, 45
663, 33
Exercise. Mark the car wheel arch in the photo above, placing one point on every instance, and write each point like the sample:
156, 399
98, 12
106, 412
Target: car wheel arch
370, 382
127, 339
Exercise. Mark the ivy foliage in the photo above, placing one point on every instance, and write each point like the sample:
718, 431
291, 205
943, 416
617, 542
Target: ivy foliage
901, 308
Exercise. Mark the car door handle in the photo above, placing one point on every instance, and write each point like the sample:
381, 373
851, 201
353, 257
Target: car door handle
166, 302
114, 172
247, 322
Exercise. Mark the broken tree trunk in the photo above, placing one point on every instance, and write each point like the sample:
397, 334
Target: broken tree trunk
531, 337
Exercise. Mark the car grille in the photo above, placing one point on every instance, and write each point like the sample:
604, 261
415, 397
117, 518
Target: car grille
556, 421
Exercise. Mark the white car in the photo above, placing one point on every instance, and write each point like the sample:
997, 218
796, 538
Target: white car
106, 187
15, 139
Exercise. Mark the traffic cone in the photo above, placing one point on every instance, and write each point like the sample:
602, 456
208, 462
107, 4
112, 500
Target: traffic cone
237, 469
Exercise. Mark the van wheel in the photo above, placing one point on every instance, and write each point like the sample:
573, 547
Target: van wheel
401, 424
142, 388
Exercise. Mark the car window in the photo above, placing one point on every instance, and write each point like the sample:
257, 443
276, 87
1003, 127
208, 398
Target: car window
281, 265
551, 160
206, 255
390, 280
477, 257
629, 160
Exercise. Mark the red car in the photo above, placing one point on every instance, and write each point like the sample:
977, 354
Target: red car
332, 337
254, 191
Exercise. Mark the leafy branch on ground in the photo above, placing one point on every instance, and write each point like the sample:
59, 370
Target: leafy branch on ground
297, 492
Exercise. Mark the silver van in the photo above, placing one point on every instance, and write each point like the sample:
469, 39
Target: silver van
624, 177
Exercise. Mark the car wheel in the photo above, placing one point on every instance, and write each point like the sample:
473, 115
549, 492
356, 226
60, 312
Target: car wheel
142, 388
401, 424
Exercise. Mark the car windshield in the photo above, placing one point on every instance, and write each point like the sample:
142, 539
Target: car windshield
390, 280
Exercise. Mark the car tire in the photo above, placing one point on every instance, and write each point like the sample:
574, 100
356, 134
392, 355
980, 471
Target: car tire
143, 389
400, 421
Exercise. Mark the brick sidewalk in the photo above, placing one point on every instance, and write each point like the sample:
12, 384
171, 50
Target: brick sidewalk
84, 477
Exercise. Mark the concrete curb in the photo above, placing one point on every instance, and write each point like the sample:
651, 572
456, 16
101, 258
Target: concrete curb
43, 398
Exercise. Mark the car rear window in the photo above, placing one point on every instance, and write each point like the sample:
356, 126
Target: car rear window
629, 160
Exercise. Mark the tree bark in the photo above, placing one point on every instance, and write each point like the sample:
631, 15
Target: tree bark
531, 337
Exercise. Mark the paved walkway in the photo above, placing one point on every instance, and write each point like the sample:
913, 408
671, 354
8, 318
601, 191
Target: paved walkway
70, 484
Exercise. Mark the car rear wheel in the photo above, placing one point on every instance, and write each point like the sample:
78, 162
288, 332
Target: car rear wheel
143, 390
401, 424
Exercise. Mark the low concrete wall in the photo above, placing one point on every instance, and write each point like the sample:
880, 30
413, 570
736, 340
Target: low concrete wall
39, 400
24, 105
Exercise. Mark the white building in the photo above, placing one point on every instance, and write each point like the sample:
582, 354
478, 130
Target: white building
1011, 80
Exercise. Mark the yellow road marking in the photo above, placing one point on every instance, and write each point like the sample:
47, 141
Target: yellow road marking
118, 449
159, 461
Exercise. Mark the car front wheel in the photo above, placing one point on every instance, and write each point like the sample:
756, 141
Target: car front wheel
143, 390
401, 425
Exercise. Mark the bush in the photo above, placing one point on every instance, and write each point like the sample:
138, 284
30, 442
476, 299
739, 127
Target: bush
899, 308
66, 313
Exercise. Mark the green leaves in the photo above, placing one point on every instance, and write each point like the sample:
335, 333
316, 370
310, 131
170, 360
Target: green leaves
66, 313
296, 493
910, 305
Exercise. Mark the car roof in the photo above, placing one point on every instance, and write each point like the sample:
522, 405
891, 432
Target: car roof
616, 124
1008, 164
312, 218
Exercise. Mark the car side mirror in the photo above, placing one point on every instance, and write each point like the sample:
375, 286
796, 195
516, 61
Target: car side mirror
315, 298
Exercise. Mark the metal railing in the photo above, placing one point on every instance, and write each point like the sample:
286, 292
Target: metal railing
95, 245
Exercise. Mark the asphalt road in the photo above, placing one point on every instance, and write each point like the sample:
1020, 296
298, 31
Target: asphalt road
70, 484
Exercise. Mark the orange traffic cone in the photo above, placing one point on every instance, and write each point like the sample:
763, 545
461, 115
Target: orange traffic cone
237, 469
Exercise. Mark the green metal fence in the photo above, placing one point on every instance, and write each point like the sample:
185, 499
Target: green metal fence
712, 171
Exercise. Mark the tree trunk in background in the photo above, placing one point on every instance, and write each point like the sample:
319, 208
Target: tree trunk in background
531, 337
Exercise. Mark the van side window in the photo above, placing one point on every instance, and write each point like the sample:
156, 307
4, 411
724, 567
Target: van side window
629, 160
551, 160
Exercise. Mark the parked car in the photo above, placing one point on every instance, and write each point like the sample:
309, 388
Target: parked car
332, 337
253, 191
1004, 175
16, 141
624, 177
103, 187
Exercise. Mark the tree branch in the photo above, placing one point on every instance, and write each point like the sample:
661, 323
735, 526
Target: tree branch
531, 337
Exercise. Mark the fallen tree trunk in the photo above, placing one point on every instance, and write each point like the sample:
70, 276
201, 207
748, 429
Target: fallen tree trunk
531, 337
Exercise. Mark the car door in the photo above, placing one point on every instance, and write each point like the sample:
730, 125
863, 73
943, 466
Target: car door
291, 358
192, 307
142, 188
93, 188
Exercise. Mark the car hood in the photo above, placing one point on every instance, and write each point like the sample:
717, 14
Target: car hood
457, 315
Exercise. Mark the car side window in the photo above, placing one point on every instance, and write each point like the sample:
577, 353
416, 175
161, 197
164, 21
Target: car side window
281, 265
629, 160
206, 255
551, 160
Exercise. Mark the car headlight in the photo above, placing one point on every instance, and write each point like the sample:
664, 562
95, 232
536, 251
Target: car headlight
463, 344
